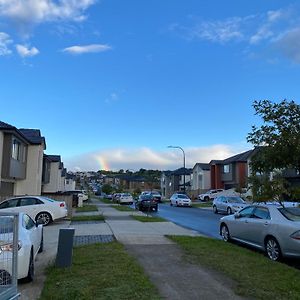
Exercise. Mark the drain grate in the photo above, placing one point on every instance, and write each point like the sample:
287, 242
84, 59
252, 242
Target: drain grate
92, 239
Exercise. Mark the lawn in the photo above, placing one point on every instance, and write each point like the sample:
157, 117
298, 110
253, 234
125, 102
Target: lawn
202, 204
256, 276
105, 200
123, 208
149, 219
88, 218
87, 208
99, 271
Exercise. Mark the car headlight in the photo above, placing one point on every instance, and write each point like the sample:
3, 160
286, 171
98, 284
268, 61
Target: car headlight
10, 247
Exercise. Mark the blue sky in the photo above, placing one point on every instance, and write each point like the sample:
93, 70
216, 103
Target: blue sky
112, 83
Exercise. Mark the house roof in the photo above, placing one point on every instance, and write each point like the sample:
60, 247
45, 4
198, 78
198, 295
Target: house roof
241, 157
4, 125
53, 158
203, 166
34, 136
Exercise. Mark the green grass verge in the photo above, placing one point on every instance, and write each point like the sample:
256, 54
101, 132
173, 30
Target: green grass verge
88, 218
203, 204
256, 276
105, 200
99, 271
149, 219
87, 208
123, 208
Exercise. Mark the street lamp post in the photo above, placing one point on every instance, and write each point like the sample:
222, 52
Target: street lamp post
177, 147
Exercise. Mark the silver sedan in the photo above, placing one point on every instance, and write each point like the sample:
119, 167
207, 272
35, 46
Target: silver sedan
270, 228
228, 204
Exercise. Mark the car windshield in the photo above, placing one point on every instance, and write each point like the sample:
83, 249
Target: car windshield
6, 224
291, 213
235, 200
126, 195
183, 196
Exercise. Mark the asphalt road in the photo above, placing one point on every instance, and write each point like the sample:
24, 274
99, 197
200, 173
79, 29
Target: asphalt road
202, 220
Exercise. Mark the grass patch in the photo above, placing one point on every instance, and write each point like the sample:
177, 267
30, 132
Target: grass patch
105, 200
203, 204
99, 271
149, 219
256, 276
88, 218
123, 208
87, 208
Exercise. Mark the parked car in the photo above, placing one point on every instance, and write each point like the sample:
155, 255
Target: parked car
79, 193
146, 202
228, 204
125, 198
39, 208
30, 243
180, 200
210, 195
271, 228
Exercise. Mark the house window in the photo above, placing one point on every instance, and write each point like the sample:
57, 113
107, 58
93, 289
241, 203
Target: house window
226, 168
16, 149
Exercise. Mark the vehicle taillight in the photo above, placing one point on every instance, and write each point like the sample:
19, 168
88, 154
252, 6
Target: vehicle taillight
61, 205
296, 235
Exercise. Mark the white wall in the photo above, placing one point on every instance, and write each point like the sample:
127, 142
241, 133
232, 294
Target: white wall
70, 184
32, 184
55, 178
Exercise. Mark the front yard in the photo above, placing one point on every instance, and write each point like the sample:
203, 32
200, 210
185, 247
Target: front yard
99, 271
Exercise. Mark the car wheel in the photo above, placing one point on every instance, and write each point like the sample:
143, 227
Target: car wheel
176, 203
44, 217
41, 249
30, 274
171, 204
229, 211
225, 233
206, 198
273, 249
215, 210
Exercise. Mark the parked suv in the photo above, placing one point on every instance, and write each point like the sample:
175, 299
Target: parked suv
210, 195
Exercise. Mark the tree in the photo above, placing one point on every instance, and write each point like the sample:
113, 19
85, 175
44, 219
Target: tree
107, 189
279, 136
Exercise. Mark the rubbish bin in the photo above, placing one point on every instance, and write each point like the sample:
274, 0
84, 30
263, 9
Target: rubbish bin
80, 201
75, 201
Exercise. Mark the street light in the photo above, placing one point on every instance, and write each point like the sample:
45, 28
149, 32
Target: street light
177, 147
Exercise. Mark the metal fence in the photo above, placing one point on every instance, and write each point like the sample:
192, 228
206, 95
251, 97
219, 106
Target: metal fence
9, 224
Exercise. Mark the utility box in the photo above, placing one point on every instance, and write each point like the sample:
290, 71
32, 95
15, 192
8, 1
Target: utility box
65, 247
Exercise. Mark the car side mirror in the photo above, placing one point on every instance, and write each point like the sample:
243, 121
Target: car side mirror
237, 215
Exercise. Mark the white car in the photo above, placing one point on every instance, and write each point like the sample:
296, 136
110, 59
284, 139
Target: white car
125, 198
41, 209
210, 195
180, 200
30, 243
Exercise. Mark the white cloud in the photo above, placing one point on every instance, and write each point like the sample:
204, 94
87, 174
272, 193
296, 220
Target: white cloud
170, 159
25, 51
289, 44
94, 48
5, 41
37, 11
113, 97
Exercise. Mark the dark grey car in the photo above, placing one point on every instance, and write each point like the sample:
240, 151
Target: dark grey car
270, 228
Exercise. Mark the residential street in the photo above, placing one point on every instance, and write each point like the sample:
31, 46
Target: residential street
202, 220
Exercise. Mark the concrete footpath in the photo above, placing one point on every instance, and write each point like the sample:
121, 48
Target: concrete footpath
161, 258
